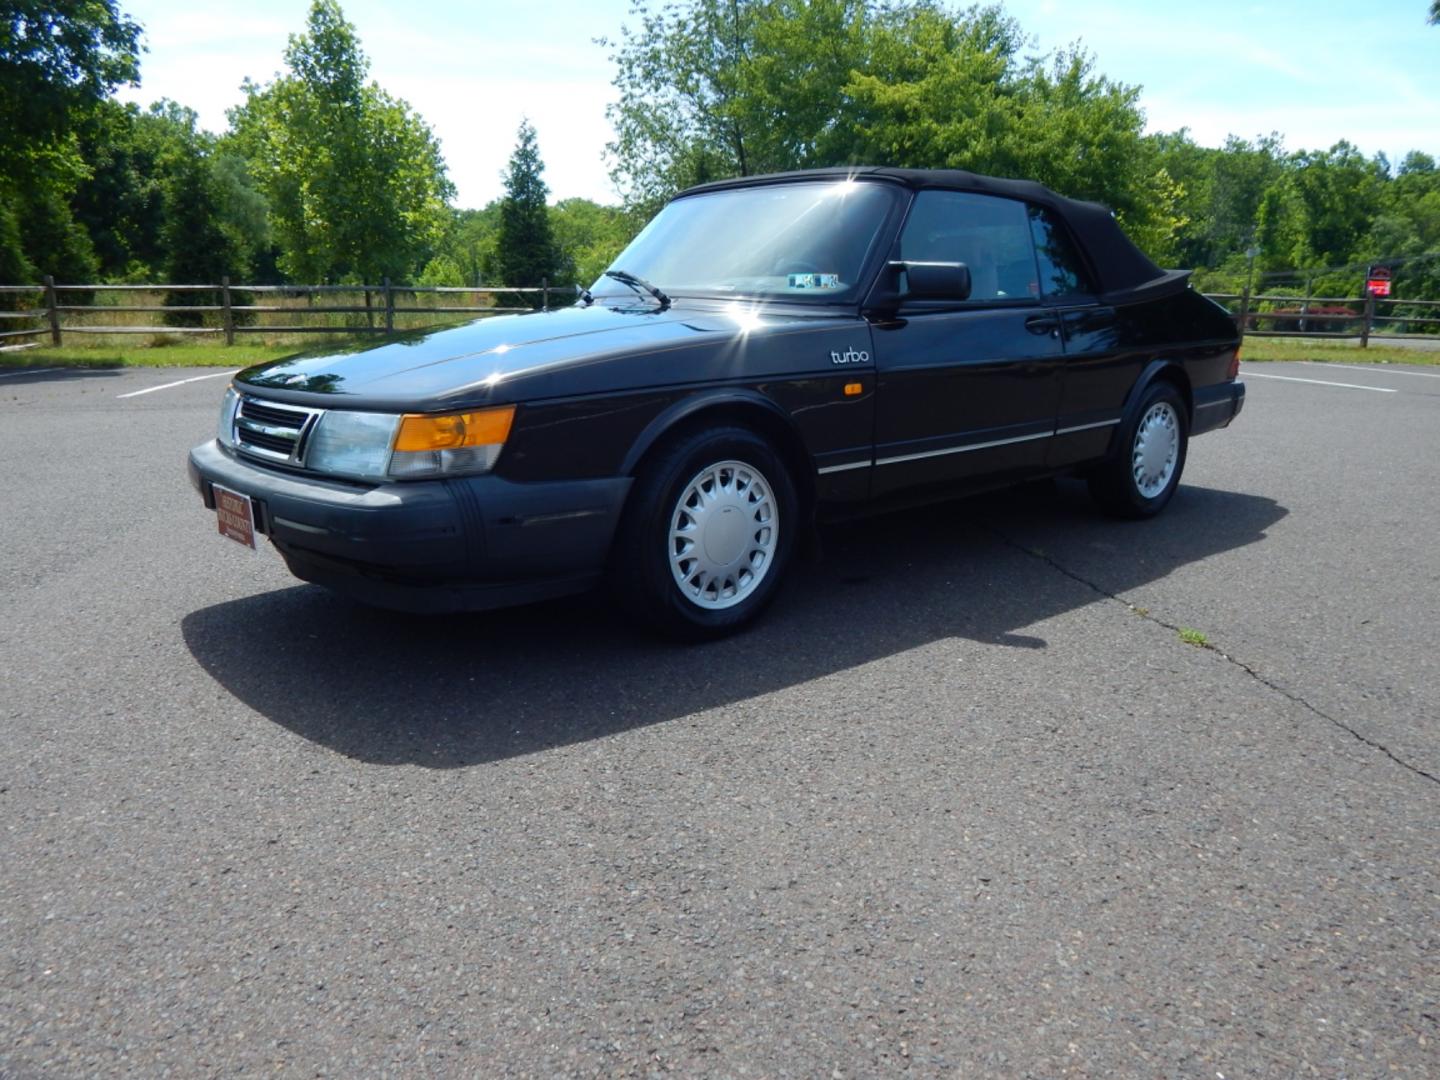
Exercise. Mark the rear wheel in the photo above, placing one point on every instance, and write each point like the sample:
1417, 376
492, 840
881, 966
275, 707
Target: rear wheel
708, 534
1146, 471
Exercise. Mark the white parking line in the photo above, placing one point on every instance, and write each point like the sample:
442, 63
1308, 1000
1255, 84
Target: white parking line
178, 382
30, 371
1379, 369
1322, 382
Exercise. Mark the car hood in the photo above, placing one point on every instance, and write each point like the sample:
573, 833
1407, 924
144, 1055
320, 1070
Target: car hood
545, 354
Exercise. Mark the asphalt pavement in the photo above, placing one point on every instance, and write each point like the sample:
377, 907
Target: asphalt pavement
964, 804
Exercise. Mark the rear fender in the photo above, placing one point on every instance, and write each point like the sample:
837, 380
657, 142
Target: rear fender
1156, 371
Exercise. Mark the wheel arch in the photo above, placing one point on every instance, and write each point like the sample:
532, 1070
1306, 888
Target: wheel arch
747, 408
1158, 370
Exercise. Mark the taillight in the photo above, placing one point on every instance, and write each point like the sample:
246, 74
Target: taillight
1233, 371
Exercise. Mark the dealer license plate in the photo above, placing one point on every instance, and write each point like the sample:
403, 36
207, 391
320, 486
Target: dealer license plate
236, 514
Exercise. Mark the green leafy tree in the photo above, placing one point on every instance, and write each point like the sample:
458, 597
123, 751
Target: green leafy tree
948, 92
588, 236
469, 244
717, 88
119, 201
442, 270
1223, 188
52, 241
58, 60
525, 249
354, 179
161, 201
713, 88
474, 243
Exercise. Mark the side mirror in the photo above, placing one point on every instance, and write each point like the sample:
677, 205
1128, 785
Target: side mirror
938, 280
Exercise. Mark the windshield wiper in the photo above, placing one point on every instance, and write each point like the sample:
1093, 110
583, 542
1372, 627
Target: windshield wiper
639, 284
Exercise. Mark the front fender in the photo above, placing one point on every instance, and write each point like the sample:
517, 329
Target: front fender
716, 399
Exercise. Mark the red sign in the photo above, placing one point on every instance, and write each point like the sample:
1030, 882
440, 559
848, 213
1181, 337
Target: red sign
236, 515
1377, 282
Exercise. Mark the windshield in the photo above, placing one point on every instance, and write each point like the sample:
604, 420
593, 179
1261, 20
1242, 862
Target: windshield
806, 241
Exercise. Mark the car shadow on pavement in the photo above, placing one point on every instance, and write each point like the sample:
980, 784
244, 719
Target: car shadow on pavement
458, 690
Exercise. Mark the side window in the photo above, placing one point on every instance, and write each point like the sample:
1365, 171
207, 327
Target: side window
989, 235
1062, 274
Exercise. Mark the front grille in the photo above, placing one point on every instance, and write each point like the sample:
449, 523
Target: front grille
273, 414
271, 430
279, 444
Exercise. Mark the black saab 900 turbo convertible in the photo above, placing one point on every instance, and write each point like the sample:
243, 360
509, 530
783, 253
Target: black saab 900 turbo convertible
767, 351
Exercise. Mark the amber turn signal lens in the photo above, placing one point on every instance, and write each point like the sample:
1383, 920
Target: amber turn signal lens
853, 388
486, 427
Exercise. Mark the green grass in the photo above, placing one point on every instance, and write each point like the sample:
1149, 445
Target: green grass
111, 356
1193, 637
1260, 349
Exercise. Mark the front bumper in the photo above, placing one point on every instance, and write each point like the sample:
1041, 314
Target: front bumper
460, 544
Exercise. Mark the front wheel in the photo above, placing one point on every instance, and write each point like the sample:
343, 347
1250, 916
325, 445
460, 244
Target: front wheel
1143, 477
708, 534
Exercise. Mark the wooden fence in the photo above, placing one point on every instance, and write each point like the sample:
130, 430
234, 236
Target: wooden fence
1331, 316
238, 311
240, 305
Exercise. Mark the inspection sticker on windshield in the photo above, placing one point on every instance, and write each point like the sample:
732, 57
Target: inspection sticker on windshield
236, 515
814, 281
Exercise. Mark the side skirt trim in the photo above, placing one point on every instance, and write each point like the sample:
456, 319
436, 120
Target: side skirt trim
898, 458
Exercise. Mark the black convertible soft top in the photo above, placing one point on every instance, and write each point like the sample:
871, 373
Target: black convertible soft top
1124, 273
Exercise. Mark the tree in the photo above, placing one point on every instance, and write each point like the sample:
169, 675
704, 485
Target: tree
710, 89
468, 248
588, 236
355, 181
1223, 188
58, 60
525, 248
718, 88
160, 200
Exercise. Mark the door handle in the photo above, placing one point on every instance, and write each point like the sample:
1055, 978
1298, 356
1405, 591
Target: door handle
1043, 324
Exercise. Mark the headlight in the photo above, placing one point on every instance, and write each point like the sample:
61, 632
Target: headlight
228, 404
352, 443
450, 445
375, 445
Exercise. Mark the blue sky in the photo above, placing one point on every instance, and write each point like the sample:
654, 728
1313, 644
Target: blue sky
1316, 71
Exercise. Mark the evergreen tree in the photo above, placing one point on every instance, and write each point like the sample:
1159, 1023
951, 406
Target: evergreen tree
526, 248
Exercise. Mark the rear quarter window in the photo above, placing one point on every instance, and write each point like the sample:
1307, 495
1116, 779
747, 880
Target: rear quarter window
1062, 272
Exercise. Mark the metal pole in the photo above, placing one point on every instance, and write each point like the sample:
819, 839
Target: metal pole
228, 314
52, 310
1250, 254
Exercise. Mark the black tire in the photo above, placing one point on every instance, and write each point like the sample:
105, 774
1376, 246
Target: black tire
641, 574
1114, 485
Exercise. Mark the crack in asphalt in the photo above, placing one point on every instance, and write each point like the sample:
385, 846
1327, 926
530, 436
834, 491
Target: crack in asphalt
1144, 613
